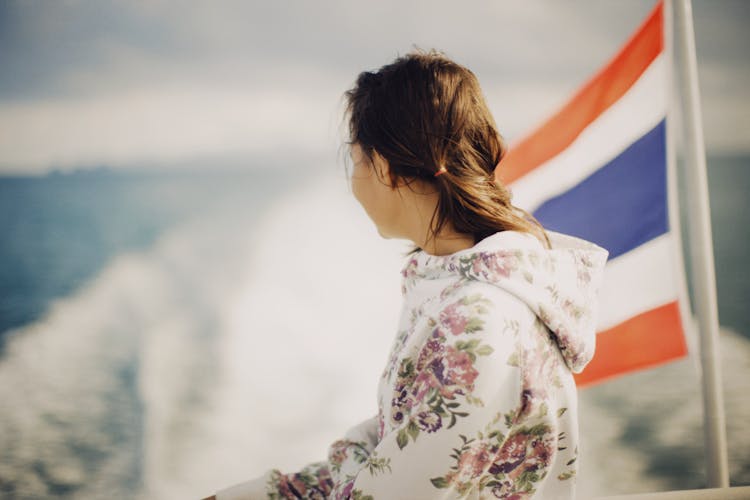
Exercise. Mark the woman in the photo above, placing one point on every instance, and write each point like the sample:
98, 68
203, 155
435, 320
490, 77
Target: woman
477, 399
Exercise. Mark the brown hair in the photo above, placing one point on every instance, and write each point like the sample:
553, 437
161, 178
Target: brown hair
424, 112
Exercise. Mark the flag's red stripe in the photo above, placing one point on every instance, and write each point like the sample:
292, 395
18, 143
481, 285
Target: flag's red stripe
605, 88
649, 339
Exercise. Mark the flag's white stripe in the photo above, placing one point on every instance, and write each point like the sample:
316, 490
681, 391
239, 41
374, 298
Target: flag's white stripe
637, 112
637, 281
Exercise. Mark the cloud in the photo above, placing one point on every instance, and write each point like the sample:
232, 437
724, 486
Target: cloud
164, 124
160, 81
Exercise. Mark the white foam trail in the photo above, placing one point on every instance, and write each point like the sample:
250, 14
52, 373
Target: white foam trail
107, 388
306, 341
180, 361
56, 375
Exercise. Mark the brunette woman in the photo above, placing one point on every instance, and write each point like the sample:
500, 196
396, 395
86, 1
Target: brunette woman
477, 398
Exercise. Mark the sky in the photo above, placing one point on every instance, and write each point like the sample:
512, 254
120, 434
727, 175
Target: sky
163, 83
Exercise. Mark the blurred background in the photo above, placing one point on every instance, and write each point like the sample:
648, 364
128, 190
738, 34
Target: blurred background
189, 295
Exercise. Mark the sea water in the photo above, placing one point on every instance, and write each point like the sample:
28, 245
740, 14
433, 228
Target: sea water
165, 334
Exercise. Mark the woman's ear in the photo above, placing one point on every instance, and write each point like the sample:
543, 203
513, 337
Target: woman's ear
382, 169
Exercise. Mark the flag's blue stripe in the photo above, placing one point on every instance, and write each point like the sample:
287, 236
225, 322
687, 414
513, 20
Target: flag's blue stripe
620, 206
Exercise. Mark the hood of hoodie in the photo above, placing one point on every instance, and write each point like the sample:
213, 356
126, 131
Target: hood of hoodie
560, 285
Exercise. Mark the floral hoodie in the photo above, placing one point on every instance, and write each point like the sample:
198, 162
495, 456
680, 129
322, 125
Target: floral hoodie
477, 399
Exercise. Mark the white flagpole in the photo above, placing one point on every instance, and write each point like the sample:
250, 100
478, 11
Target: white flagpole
702, 258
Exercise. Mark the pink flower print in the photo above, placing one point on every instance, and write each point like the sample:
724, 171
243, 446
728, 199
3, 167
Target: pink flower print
527, 403
452, 318
491, 265
292, 487
512, 454
338, 453
583, 276
381, 424
324, 480
532, 380
477, 265
430, 367
431, 378
585, 265
499, 264
346, 492
473, 461
431, 348
448, 370
410, 270
540, 454
461, 369
573, 310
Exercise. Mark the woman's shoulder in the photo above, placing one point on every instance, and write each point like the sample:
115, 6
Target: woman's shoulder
499, 301
475, 302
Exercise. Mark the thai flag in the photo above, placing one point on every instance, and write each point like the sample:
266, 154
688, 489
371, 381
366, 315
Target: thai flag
600, 168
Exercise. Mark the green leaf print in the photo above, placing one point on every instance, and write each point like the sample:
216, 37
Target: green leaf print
474, 324
439, 482
566, 475
485, 350
412, 430
358, 495
402, 439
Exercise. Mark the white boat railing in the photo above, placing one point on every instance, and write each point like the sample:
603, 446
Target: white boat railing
734, 493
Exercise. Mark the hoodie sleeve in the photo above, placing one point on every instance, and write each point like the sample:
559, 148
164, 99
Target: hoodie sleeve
316, 480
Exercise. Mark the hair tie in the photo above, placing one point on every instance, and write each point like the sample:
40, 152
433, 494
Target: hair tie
441, 171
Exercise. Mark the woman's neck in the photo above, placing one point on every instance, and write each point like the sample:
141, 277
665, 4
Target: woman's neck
420, 205
446, 244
